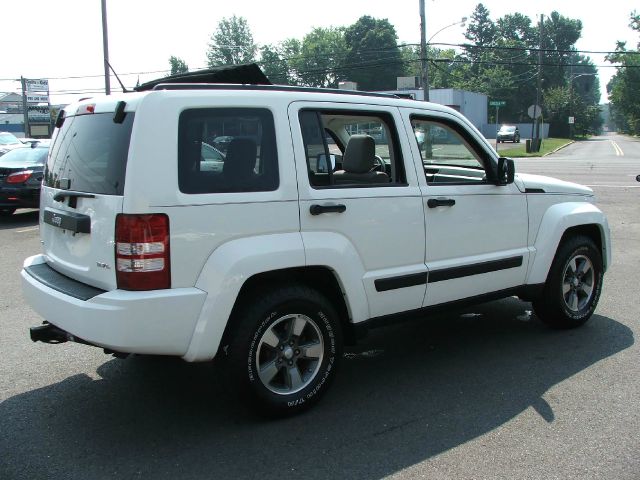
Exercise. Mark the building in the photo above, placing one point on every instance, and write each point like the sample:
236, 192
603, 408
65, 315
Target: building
472, 105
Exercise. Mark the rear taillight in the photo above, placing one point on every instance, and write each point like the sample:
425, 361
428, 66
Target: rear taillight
142, 252
19, 177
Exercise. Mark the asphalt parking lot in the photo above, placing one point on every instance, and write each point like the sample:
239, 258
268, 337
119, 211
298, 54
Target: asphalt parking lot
486, 392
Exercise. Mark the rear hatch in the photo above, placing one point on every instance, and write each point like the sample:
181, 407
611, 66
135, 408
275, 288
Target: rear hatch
82, 192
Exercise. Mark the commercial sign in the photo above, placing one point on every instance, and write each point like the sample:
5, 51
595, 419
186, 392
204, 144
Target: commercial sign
37, 85
37, 98
39, 113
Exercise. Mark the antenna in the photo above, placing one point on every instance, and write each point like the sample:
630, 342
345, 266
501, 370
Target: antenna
124, 90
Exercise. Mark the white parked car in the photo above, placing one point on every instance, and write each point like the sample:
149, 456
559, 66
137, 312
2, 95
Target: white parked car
268, 259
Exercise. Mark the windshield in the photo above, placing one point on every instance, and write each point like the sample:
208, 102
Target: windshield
8, 139
26, 155
90, 151
508, 129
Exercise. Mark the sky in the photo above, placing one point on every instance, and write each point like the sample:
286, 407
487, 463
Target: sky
63, 38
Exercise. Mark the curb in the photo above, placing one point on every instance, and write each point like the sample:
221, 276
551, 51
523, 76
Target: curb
559, 148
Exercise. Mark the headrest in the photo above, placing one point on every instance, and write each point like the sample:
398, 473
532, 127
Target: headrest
241, 157
359, 156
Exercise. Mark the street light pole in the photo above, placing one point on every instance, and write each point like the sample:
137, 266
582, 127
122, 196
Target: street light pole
105, 48
424, 52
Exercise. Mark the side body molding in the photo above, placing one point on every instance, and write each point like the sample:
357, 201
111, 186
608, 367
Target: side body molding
558, 219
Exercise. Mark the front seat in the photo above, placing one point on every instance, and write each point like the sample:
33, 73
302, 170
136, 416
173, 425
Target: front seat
358, 163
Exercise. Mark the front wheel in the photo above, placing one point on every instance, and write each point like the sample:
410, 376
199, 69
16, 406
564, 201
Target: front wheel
286, 348
6, 212
573, 285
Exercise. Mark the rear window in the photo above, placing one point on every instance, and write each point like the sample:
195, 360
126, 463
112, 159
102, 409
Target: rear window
8, 139
89, 154
26, 155
227, 150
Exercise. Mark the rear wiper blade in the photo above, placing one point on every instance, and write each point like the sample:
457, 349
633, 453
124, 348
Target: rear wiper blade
72, 196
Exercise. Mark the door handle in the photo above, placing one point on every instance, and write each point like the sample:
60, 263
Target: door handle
440, 202
316, 209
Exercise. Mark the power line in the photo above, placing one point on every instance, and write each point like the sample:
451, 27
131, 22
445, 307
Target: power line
378, 50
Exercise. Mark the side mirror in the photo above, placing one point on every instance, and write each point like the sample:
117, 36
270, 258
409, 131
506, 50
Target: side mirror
506, 171
321, 163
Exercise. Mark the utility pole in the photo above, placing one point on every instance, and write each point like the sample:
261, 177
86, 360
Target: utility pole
23, 81
536, 124
423, 52
105, 48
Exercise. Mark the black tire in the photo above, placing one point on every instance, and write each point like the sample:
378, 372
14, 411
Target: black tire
6, 212
298, 380
573, 284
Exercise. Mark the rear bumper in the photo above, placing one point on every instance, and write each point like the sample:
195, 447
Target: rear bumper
19, 197
159, 322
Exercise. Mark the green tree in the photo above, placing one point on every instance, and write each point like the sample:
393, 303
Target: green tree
322, 56
275, 64
232, 43
518, 29
623, 87
373, 57
560, 36
481, 32
177, 65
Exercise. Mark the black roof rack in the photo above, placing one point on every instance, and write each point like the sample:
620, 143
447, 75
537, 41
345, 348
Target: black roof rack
283, 88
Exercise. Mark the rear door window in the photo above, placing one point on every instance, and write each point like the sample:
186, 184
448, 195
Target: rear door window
227, 150
89, 154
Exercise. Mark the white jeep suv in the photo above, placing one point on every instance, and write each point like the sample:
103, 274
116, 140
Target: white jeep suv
321, 216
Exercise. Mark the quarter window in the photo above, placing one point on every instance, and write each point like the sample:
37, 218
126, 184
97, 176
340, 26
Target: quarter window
227, 150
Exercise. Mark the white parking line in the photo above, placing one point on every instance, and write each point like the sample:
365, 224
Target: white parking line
616, 147
25, 230
614, 186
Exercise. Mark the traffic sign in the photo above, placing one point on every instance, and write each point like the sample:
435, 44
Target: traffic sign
572, 120
497, 103
534, 111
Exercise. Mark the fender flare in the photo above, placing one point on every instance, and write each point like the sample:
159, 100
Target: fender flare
233, 263
225, 271
556, 221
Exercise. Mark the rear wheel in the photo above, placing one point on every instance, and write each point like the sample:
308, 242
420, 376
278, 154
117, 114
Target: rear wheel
573, 285
286, 348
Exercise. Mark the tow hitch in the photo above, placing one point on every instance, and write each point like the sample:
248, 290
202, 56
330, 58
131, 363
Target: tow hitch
48, 333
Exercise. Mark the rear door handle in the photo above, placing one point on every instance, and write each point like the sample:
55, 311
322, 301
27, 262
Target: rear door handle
316, 209
440, 202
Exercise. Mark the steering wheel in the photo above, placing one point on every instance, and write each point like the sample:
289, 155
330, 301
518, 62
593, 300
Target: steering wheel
379, 166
